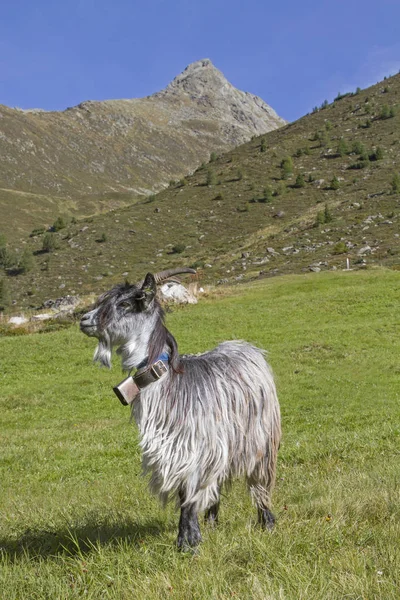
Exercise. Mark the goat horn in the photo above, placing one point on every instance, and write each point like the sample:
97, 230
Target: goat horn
163, 275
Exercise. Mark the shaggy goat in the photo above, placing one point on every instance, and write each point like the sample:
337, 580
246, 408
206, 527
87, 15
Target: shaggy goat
203, 419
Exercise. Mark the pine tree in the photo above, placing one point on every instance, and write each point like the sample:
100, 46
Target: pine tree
267, 195
342, 149
287, 167
300, 183
327, 215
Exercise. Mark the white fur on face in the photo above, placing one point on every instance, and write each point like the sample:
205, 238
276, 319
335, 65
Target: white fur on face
131, 334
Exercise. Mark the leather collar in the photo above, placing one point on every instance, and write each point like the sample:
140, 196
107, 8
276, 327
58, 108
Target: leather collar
150, 374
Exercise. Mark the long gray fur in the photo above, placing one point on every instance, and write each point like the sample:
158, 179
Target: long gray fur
212, 417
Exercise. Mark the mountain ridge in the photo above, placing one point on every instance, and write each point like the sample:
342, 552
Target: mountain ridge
122, 147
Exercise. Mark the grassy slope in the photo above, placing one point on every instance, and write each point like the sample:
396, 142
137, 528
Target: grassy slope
218, 222
77, 519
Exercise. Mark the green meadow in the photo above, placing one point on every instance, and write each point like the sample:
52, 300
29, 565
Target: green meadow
77, 520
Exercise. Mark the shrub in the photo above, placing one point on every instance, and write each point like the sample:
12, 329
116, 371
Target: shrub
324, 104
300, 183
211, 177
307, 151
50, 243
27, 262
377, 154
8, 259
103, 237
395, 184
58, 224
358, 147
213, 156
340, 248
37, 231
328, 125
3, 240
219, 197
319, 218
358, 90
335, 183
263, 145
385, 112
280, 189
239, 175
361, 164
298, 152
182, 182
178, 248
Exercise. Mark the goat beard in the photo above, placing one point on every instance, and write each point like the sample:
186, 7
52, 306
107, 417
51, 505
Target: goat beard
103, 351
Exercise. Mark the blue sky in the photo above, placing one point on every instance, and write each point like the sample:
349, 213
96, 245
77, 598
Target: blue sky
292, 53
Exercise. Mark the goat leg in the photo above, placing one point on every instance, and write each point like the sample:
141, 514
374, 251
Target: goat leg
189, 535
211, 515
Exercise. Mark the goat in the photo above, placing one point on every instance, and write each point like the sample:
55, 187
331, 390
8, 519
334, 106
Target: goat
203, 419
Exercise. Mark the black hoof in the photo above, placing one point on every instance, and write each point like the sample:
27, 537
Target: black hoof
266, 518
189, 541
211, 516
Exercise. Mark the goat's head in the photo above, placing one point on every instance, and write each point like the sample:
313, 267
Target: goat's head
127, 316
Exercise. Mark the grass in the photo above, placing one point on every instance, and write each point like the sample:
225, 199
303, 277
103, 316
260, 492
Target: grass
77, 519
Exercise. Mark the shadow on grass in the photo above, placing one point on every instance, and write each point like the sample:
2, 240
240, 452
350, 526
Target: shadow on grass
79, 540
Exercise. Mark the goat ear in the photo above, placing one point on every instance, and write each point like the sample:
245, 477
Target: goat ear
149, 289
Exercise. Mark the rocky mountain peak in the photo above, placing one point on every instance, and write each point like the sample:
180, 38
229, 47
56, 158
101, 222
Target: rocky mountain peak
198, 78
207, 88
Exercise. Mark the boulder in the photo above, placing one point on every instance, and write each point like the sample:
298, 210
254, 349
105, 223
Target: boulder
176, 292
63, 303
17, 320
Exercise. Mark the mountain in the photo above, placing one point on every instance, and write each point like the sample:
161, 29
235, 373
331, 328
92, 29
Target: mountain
305, 196
101, 155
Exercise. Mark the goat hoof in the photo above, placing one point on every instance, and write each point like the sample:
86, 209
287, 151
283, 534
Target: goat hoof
188, 542
266, 518
211, 521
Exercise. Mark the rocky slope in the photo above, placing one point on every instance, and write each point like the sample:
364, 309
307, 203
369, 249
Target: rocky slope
242, 216
100, 155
